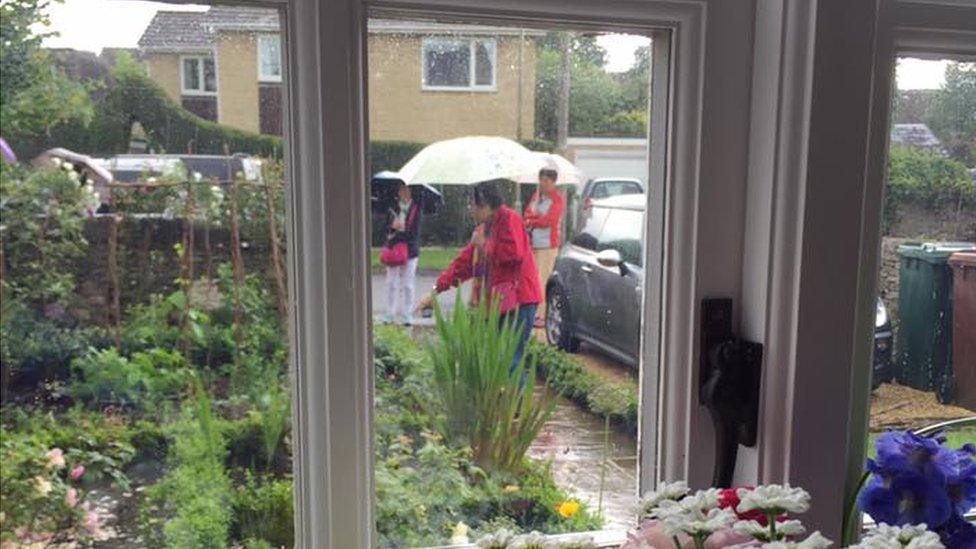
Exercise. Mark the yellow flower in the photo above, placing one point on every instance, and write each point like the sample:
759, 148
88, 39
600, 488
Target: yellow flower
568, 508
42, 485
510, 489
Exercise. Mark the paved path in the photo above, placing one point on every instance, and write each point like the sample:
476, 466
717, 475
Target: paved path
425, 281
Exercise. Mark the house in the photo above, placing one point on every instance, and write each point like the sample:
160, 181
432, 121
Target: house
225, 65
917, 136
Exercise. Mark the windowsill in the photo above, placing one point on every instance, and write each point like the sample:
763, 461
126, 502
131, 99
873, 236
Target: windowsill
491, 89
197, 93
269, 80
600, 538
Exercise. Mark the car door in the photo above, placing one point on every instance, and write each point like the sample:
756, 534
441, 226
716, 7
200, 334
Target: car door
621, 286
580, 268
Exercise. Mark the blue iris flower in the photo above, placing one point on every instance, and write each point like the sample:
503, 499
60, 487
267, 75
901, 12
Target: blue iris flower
916, 479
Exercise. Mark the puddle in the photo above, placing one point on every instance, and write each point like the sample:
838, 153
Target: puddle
573, 441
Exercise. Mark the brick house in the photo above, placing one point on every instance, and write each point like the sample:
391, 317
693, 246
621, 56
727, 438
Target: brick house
225, 65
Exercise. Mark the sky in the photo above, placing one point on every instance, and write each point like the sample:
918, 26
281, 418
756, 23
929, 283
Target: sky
95, 24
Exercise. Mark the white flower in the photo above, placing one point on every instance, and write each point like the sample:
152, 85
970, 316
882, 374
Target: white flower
67, 166
197, 176
56, 162
755, 530
73, 175
665, 491
774, 499
814, 541
895, 537
693, 519
459, 535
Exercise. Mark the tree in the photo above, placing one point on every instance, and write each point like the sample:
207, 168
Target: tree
953, 113
35, 96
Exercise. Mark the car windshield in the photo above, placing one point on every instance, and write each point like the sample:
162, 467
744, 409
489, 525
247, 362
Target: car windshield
604, 189
622, 232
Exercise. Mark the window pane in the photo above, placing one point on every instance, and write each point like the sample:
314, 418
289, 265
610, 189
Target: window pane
209, 75
143, 317
270, 56
191, 74
448, 63
484, 52
925, 316
568, 473
622, 232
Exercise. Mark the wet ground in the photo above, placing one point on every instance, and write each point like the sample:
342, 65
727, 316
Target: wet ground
573, 442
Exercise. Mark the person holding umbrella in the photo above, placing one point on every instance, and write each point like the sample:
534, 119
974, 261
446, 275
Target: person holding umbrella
400, 255
510, 277
543, 219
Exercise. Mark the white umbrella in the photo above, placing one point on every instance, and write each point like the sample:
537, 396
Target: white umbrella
568, 173
470, 160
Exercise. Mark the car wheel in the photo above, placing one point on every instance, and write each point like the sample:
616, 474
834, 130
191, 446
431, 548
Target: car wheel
559, 331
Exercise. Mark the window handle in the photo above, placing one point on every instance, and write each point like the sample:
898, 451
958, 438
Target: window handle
586, 269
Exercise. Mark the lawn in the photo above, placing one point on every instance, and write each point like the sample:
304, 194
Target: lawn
431, 258
954, 438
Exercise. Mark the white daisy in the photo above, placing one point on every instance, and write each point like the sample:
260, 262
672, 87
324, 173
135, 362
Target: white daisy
665, 491
814, 541
900, 537
694, 521
755, 530
774, 499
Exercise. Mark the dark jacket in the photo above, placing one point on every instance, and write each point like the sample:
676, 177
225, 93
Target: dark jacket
411, 233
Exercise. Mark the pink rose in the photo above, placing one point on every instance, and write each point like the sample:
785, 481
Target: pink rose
55, 459
77, 472
71, 498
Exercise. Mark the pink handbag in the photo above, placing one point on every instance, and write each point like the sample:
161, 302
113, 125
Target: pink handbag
394, 255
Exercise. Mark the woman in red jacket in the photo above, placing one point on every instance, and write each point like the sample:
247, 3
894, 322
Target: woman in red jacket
510, 276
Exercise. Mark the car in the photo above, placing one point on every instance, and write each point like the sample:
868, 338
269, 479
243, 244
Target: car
605, 187
594, 293
881, 371
128, 168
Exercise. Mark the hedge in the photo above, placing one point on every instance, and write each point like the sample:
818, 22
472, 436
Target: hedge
596, 394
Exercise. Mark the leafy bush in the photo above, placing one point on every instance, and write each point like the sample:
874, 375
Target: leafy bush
144, 381
264, 510
925, 178
45, 456
191, 506
564, 374
489, 403
624, 124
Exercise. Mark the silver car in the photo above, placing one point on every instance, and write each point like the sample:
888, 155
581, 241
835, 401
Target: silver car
594, 294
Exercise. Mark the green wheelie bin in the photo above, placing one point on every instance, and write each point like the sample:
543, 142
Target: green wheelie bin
924, 339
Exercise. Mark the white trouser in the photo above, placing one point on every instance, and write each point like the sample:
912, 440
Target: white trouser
400, 290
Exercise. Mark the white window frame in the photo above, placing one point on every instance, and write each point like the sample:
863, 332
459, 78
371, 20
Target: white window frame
331, 343
200, 58
472, 69
262, 76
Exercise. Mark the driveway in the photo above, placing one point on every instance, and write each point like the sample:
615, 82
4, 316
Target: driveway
425, 281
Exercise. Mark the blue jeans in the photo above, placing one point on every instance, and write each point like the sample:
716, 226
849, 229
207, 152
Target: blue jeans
523, 317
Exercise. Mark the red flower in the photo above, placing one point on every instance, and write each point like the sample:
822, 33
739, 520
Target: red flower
729, 499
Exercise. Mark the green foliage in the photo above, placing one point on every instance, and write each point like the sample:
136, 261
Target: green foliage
264, 510
952, 115
35, 485
35, 96
42, 232
600, 103
191, 507
925, 178
618, 401
34, 347
485, 400
391, 155
144, 381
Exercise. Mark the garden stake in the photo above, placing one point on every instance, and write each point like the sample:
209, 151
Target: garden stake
113, 276
238, 266
187, 281
277, 263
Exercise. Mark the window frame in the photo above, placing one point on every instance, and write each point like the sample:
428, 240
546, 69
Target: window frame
200, 58
472, 61
262, 76
331, 309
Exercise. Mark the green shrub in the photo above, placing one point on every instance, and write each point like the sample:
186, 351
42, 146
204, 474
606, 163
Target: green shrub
34, 347
191, 506
144, 381
391, 155
264, 510
563, 373
489, 404
925, 178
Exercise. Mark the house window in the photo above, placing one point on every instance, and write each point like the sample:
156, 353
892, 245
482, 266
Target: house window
459, 64
199, 75
269, 58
